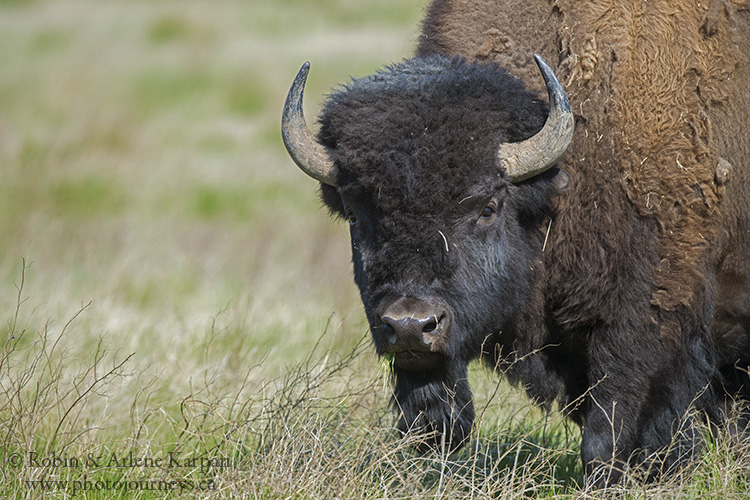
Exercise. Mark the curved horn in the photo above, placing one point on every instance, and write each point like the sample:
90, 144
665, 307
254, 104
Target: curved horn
309, 155
525, 159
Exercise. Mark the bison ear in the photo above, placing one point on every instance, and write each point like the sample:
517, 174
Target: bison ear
332, 199
562, 181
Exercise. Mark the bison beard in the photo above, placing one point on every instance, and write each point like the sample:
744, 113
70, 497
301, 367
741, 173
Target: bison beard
434, 407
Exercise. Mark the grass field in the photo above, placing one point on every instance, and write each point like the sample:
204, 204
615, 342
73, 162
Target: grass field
179, 317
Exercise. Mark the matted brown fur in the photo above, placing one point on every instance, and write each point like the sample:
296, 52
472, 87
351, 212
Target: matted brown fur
654, 86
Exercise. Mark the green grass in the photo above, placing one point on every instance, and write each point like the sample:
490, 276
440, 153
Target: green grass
169, 283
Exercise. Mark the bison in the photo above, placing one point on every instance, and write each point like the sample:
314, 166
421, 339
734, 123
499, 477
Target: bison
603, 266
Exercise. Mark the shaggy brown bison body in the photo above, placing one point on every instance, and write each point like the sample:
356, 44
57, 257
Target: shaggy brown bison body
613, 278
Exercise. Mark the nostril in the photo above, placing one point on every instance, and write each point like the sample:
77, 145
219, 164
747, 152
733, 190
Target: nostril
390, 335
387, 330
430, 326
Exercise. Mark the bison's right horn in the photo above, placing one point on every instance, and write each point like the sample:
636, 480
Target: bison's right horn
309, 155
525, 159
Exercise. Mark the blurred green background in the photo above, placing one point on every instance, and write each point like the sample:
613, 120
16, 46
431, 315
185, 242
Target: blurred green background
141, 168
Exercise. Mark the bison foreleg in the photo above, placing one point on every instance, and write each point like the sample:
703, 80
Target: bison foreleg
640, 410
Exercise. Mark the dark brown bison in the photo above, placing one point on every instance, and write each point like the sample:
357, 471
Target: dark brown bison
606, 268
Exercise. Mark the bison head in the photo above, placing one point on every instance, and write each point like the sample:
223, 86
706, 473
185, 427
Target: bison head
445, 173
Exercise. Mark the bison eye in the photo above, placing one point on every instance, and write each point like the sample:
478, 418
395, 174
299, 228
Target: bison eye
351, 216
487, 215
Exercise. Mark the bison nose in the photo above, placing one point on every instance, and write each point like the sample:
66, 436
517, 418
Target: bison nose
409, 326
412, 324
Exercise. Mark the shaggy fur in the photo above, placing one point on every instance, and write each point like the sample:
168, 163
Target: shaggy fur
659, 168
638, 308
644, 78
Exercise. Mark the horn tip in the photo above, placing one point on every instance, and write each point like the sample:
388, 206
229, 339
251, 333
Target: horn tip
302, 74
544, 67
554, 88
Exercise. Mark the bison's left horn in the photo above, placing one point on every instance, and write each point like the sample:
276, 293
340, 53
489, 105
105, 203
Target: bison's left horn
523, 160
309, 155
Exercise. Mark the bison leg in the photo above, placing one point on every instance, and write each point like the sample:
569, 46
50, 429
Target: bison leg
639, 409
608, 432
